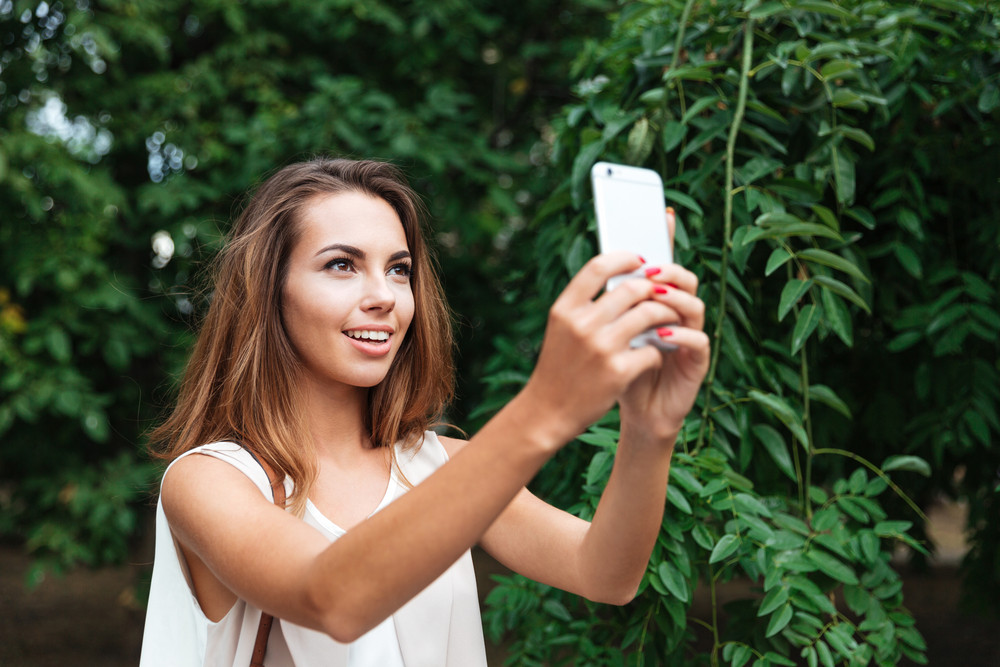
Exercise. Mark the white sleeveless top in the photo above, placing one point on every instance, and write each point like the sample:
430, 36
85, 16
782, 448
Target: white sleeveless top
439, 627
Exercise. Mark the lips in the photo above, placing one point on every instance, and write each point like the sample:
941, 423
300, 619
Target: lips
372, 341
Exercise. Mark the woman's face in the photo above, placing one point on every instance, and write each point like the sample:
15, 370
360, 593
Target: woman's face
347, 301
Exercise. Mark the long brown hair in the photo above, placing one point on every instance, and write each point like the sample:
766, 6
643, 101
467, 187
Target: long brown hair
241, 381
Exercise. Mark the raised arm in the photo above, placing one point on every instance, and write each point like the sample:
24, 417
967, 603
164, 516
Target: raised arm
605, 560
246, 547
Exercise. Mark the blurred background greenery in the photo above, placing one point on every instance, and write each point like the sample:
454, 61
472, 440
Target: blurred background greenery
130, 131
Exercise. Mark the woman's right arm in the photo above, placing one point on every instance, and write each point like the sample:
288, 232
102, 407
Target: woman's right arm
264, 555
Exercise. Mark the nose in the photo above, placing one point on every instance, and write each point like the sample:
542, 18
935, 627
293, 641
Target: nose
378, 294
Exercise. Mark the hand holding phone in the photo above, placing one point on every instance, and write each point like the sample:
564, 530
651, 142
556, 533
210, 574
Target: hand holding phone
631, 215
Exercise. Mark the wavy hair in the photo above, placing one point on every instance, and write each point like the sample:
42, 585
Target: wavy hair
241, 380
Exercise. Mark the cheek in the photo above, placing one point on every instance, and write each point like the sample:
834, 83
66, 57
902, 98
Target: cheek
405, 307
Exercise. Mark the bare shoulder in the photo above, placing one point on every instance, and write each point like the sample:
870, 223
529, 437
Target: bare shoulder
452, 445
198, 484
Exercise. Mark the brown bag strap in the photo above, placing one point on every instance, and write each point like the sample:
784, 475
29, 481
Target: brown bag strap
264, 629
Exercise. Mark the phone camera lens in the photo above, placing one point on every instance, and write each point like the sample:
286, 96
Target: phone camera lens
609, 171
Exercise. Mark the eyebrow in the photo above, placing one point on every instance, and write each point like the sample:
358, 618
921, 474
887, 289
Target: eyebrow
359, 253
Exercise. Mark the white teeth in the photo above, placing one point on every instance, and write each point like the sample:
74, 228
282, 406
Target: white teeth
368, 335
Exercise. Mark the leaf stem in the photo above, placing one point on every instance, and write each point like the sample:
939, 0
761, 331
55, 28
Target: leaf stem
807, 418
734, 129
875, 469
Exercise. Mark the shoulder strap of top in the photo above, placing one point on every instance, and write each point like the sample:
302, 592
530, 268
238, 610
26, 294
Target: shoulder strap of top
264, 629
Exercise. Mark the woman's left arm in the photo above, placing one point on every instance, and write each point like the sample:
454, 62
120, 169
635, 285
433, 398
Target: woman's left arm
604, 560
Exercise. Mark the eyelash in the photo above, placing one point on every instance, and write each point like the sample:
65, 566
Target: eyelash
406, 269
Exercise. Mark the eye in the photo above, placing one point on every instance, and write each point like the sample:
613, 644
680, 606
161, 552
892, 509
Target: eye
340, 264
403, 270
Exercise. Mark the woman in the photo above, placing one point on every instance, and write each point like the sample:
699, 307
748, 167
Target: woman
326, 353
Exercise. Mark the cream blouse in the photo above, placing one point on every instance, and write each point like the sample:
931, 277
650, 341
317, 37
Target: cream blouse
440, 627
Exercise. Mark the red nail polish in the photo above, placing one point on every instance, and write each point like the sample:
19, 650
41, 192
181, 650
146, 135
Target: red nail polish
664, 332
652, 271
660, 289
673, 285
641, 258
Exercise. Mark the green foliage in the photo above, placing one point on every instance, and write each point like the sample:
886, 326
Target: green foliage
129, 132
835, 168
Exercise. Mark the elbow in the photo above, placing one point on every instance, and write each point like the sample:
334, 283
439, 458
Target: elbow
619, 595
334, 618
342, 630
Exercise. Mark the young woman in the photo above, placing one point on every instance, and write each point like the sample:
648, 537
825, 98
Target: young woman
326, 353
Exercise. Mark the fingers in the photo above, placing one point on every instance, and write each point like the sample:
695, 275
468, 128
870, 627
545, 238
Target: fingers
671, 226
586, 284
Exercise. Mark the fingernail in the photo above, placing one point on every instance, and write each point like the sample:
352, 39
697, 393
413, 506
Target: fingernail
673, 285
642, 259
652, 271
663, 332
670, 210
660, 289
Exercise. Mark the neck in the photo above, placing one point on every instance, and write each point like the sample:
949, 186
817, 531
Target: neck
335, 417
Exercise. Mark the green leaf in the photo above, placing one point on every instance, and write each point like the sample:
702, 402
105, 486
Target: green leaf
673, 134
741, 655
776, 405
904, 341
892, 528
585, 159
989, 99
793, 290
858, 136
776, 597
673, 196
767, 9
58, 343
826, 216
845, 98
784, 230
678, 500
556, 608
673, 580
724, 548
837, 316
827, 396
832, 566
703, 536
776, 448
778, 257
779, 621
580, 251
756, 168
843, 290
843, 177
908, 463
838, 68
805, 324
699, 106
95, 425
689, 73
640, 142
747, 504
909, 221
827, 258
862, 215
909, 260
825, 656
822, 7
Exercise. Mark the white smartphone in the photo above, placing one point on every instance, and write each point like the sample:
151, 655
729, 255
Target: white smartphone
632, 215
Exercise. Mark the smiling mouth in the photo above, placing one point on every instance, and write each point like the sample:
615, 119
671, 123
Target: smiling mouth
370, 336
